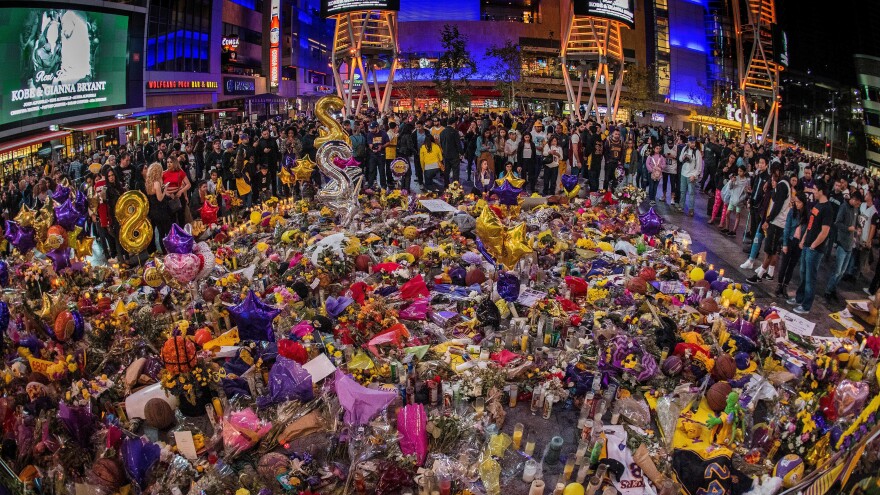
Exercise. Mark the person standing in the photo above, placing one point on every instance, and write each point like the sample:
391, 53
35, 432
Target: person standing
711, 157
757, 190
526, 156
691, 159
551, 167
406, 149
670, 173
432, 161
390, 152
655, 165
511, 146
377, 141
868, 227
450, 144
266, 153
847, 228
774, 224
812, 246
614, 154
539, 137
795, 226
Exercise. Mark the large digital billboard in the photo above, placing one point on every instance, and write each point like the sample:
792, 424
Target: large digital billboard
62, 61
333, 7
616, 10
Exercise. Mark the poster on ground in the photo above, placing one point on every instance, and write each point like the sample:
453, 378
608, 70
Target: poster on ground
61, 60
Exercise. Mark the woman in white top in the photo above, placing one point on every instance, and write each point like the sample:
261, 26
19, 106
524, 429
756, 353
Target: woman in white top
511, 146
551, 169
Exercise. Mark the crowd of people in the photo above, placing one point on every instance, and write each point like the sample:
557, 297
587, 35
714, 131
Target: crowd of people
794, 208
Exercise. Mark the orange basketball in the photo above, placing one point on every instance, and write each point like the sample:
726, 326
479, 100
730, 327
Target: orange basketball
179, 354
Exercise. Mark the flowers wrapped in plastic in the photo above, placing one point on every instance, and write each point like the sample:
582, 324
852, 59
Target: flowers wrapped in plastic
411, 427
242, 430
287, 381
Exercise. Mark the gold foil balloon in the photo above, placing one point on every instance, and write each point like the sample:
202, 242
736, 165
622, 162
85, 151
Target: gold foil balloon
135, 229
517, 183
73, 235
331, 130
84, 247
25, 217
507, 246
286, 177
304, 168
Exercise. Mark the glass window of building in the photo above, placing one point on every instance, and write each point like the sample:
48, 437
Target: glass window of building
178, 36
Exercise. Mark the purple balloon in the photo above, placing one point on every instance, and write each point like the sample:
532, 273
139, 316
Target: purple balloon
60, 258
66, 215
711, 276
4, 273
508, 286
507, 194
24, 240
61, 194
79, 325
254, 319
651, 222
569, 182
482, 248
81, 203
719, 285
138, 456
457, 275
178, 241
12, 228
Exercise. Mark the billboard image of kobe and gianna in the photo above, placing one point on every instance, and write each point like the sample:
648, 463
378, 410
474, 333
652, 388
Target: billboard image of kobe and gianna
58, 60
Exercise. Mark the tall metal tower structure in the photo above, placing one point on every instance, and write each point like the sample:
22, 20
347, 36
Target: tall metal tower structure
758, 69
365, 41
592, 35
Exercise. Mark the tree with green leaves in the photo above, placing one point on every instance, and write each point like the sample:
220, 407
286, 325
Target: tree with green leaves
506, 69
640, 91
410, 80
454, 68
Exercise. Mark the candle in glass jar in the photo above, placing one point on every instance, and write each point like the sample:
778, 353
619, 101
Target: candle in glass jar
530, 444
480, 406
529, 470
569, 468
514, 394
517, 435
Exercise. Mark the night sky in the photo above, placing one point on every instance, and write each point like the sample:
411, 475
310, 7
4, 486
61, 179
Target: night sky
822, 36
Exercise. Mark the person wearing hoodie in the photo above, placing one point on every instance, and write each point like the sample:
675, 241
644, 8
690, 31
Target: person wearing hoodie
848, 231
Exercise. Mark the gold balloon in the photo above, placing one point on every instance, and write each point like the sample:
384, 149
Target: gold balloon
153, 277
286, 177
25, 217
507, 246
331, 130
304, 168
84, 247
256, 217
73, 235
517, 183
51, 306
135, 229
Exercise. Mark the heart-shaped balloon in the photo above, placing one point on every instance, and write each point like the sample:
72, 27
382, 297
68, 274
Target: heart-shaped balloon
183, 267
206, 259
850, 397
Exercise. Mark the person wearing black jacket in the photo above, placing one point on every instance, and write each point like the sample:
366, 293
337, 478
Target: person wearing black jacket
527, 157
214, 158
756, 196
227, 170
406, 149
266, 153
711, 154
779, 203
450, 145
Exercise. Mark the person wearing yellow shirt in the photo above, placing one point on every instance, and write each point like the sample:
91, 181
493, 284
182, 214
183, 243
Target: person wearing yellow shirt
431, 158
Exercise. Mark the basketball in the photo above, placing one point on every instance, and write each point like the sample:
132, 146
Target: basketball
107, 473
179, 354
716, 397
637, 285
725, 368
158, 414
362, 263
708, 306
672, 366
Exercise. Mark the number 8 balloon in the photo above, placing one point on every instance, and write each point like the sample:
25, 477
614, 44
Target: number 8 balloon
135, 230
334, 131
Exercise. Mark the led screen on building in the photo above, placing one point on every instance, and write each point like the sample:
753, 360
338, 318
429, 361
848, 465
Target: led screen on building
616, 10
333, 7
59, 61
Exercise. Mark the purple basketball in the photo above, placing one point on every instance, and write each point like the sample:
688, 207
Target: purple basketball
672, 366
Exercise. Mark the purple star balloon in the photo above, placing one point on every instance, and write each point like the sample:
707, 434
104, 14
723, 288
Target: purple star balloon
254, 319
12, 229
60, 258
81, 203
66, 215
178, 241
24, 239
569, 182
4, 273
508, 286
507, 194
651, 222
61, 194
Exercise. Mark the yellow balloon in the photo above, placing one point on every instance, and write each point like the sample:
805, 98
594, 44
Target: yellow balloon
304, 168
507, 246
286, 176
84, 247
25, 217
331, 130
287, 237
727, 294
153, 277
697, 274
517, 183
573, 489
135, 229
73, 235
256, 217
